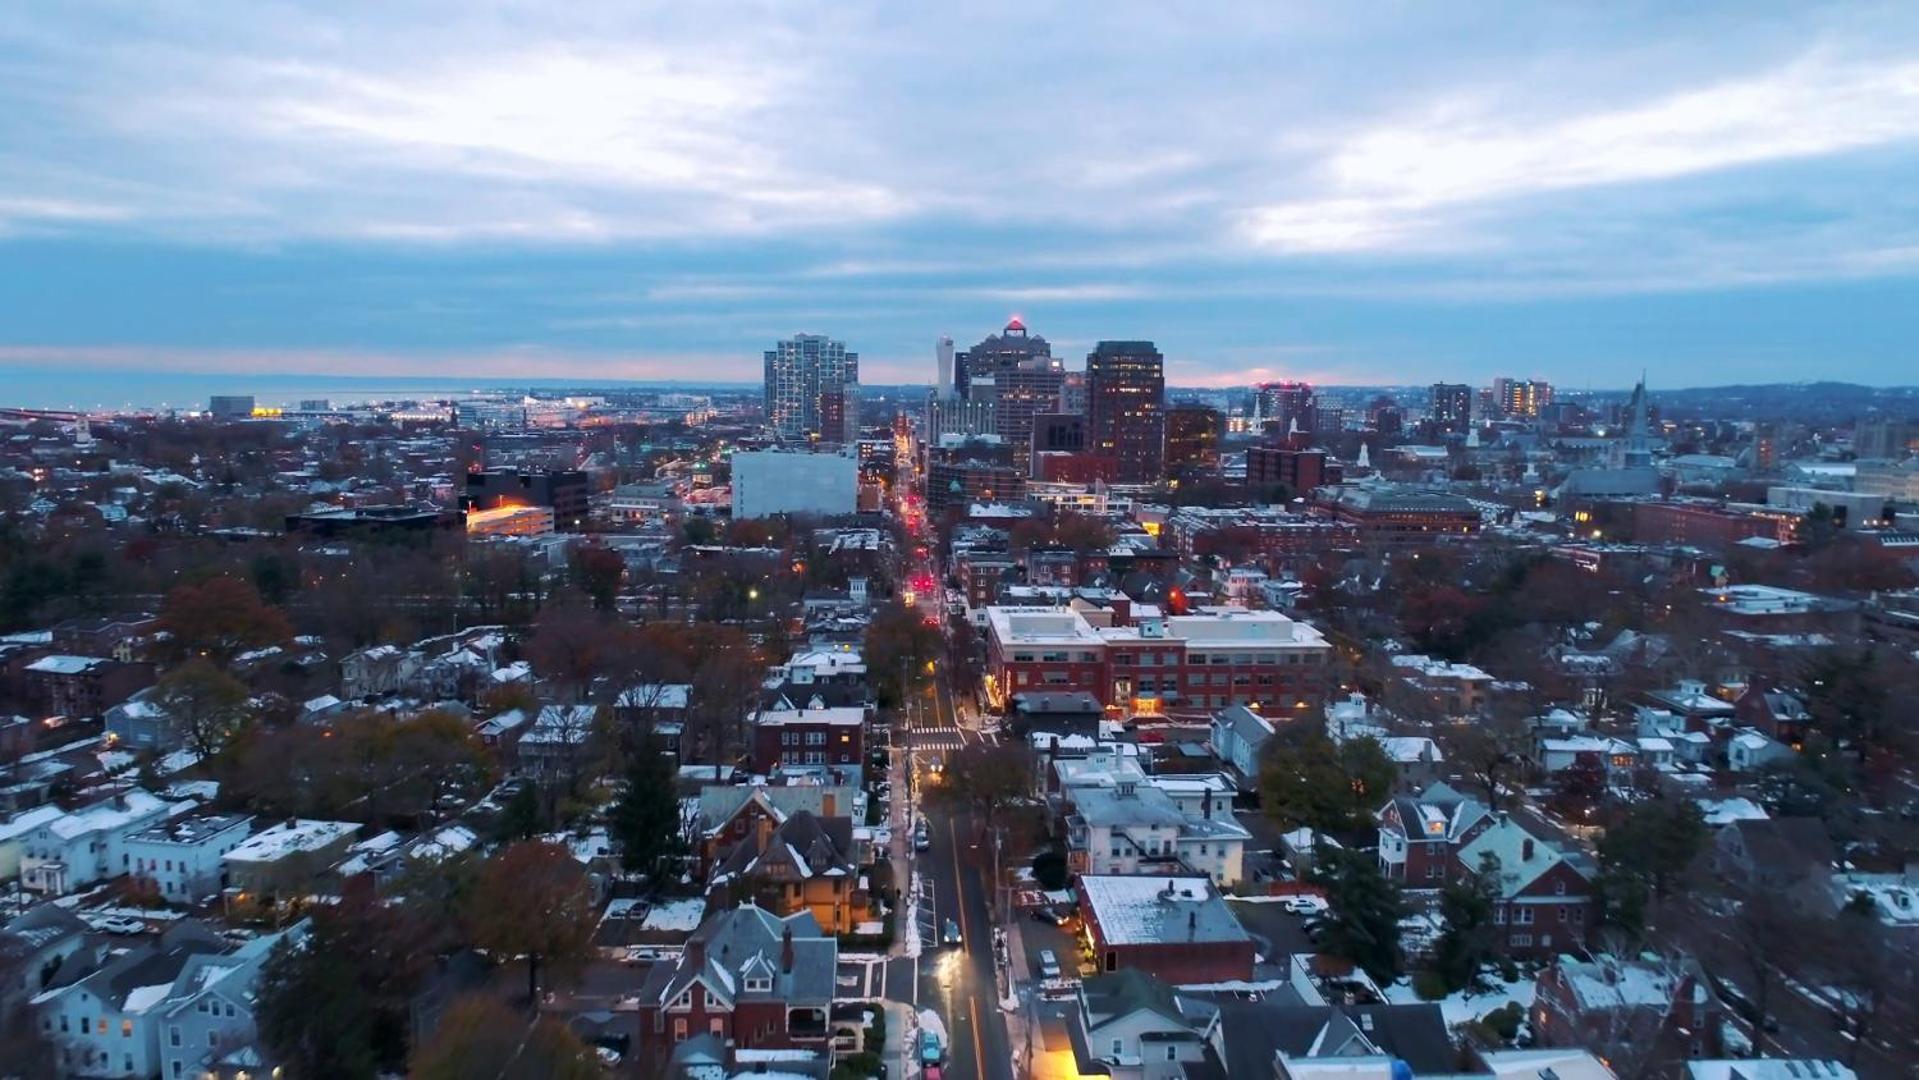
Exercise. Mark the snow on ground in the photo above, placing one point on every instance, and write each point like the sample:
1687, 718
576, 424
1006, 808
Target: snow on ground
930, 1021
683, 914
1466, 1005
1235, 986
908, 932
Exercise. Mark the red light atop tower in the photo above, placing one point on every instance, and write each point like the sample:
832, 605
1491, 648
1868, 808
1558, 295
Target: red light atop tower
1016, 326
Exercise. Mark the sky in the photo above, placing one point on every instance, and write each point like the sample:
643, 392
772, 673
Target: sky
1374, 193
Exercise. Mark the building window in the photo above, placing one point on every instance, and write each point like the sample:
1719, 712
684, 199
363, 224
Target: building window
173, 1035
1559, 888
1523, 916
126, 1029
1521, 941
1119, 1047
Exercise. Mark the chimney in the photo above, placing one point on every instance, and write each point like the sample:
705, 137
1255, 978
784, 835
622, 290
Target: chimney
1192, 925
786, 950
1206, 804
827, 804
696, 951
1526, 850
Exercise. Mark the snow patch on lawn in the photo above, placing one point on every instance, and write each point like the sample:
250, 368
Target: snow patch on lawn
1466, 1005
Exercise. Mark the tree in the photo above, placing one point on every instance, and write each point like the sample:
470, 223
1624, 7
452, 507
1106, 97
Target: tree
480, 1039
521, 818
646, 820
532, 900
1306, 780
1362, 925
1467, 906
219, 618
29, 1054
570, 646
599, 570
1642, 858
335, 1003
901, 652
1580, 788
987, 779
207, 706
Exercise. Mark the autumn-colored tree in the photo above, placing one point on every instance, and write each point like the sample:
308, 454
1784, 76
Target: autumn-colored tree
571, 646
532, 900
478, 1038
219, 618
899, 646
206, 706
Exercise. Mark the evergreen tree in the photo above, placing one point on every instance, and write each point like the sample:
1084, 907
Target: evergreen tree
646, 821
1363, 923
1467, 907
521, 818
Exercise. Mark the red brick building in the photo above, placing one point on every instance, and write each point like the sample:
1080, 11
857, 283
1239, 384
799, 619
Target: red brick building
1299, 470
83, 686
1394, 515
822, 739
1181, 663
1177, 929
1708, 524
748, 977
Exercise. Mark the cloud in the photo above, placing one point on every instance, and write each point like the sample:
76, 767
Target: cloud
1392, 186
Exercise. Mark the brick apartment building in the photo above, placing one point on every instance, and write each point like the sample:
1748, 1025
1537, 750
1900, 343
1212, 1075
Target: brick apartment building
83, 686
1709, 525
822, 739
1177, 929
1158, 663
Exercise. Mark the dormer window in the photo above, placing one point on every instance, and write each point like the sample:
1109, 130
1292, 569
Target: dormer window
759, 984
685, 1000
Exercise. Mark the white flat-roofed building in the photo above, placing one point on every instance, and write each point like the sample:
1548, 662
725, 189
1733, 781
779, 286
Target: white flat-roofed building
767, 482
288, 855
182, 856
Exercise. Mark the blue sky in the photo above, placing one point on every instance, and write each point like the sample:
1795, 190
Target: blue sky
1397, 193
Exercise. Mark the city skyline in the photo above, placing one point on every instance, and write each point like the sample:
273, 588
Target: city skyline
603, 194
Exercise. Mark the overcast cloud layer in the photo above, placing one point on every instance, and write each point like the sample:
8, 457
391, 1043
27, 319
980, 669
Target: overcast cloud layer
1350, 193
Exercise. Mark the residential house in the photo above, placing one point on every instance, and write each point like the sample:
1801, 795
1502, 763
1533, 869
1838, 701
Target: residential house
379, 670
182, 856
117, 636
1661, 1012
1176, 928
746, 976
1452, 690
287, 857
1067, 713
1616, 756
139, 723
1240, 737
1776, 715
88, 845
1544, 897
730, 813
1420, 835
106, 1023
1750, 751
1775, 854
804, 863
1768, 1069
1120, 821
210, 1010
1131, 1026
554, 747
47, 943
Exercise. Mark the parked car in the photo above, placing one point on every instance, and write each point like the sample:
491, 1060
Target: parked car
931, 1053
922, 837
1048, 964
122, 924
950, 934
1047, 913
1304, 905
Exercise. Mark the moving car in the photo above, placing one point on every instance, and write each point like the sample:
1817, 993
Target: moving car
950, 934
1048, 964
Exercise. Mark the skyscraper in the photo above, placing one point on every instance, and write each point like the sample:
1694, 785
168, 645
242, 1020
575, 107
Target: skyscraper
1025, 390
1006, 349
943, 358
1521, 397
1452, 406
1126, 408
800, 371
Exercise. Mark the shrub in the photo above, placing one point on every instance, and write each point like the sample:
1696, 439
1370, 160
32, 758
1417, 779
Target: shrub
1429, 985
1504, 1022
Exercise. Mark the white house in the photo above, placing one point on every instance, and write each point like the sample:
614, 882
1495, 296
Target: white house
182, 856
1751, 751
77, 849
1239, 738
382, 669
209, 1009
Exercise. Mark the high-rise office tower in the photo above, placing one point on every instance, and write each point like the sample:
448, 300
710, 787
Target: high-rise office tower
1072, 393
1452, 406
1006, 349
1025, 390
943, 357
1282, 404
1192, 437
1521, 397
1126, 408
799, 372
